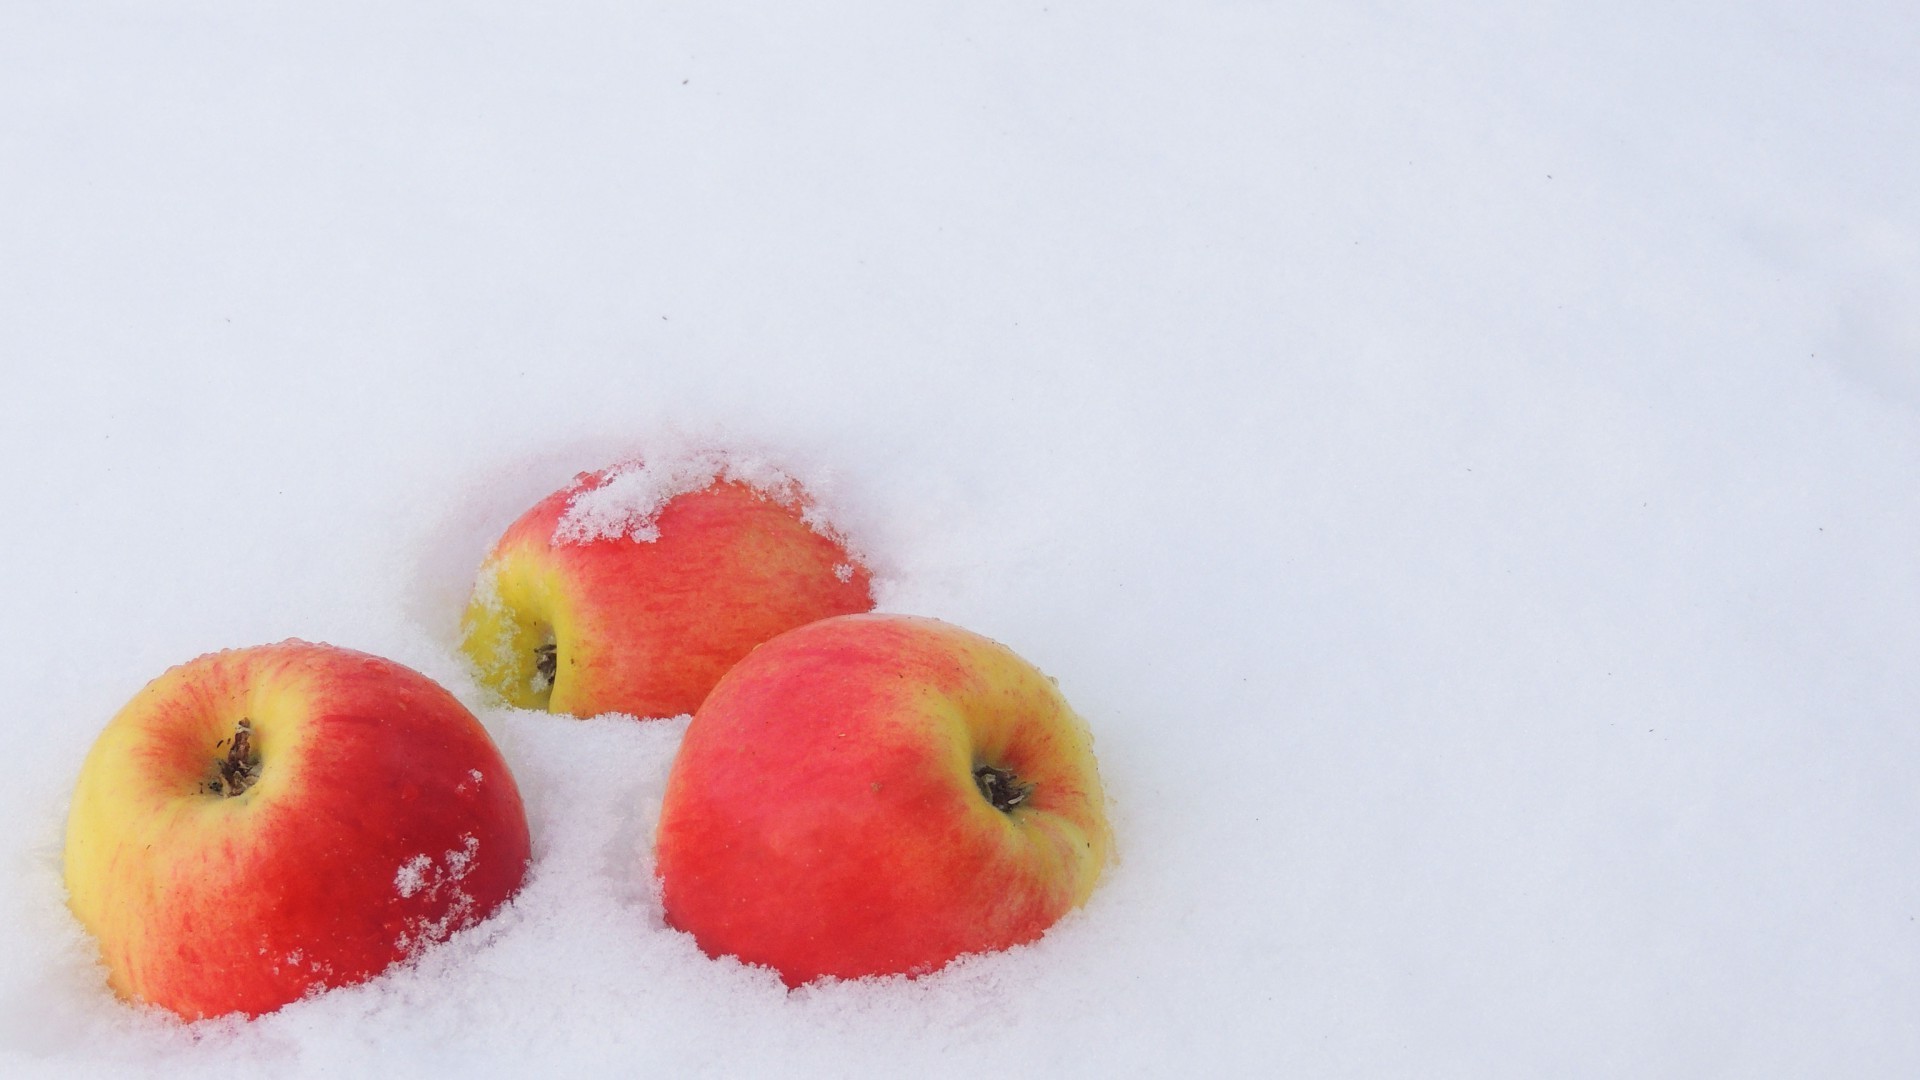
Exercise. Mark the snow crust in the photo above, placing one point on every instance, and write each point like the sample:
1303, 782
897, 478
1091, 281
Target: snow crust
1461, 463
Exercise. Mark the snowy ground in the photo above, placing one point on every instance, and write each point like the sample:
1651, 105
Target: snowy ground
1463, 462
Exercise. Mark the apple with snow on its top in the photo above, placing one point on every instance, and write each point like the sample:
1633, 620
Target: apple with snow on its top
259, 824
635, 588
878, 794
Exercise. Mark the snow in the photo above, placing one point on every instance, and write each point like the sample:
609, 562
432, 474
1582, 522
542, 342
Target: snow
1460, 460
412, 876
631, 494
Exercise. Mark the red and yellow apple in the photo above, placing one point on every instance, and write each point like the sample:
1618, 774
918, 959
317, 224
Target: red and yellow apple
878, 794
635, 588
259, 824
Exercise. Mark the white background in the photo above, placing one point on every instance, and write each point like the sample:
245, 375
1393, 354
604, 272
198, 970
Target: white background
1461, 458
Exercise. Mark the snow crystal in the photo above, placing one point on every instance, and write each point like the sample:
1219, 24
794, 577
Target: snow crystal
412, 875
460, 863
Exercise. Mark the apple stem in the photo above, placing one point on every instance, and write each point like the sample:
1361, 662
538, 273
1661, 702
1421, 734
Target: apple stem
1001, 787
546, 664
241, 768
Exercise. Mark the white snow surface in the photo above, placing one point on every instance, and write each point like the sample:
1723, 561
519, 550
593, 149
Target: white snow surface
1461, 459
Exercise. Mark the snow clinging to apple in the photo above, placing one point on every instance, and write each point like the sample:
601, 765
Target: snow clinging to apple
634, 588
259, 824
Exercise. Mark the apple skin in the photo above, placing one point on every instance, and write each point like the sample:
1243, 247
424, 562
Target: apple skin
380, 820
823, 817
646, 627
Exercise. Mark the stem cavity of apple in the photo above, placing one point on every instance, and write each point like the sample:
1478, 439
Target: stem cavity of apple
240, 769
1001, 787
546, 667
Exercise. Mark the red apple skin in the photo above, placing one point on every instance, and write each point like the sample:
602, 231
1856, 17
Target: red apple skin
382, 820
648, 627
822, 817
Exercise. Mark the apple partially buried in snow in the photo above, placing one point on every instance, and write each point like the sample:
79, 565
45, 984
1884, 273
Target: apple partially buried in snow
635, 588
259, 824
878, 794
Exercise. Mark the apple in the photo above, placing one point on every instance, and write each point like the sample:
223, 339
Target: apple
259, 824
878, 794
635, 588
